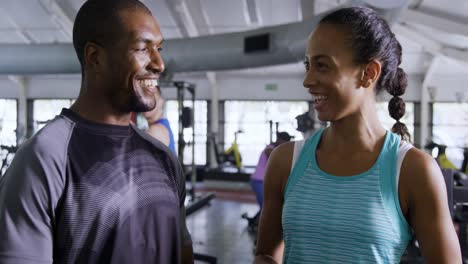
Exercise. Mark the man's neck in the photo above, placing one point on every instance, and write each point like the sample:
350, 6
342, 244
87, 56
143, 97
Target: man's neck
99, 111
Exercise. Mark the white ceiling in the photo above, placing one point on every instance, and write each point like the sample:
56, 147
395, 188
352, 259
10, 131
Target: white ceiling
50, 21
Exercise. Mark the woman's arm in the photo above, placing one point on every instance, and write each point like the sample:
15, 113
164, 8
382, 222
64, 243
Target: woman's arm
428, 212
270, 236
159, 132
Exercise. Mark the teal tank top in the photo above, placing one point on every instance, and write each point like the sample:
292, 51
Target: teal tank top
351, 219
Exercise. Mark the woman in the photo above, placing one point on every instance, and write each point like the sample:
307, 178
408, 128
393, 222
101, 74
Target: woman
158, 125
354, 191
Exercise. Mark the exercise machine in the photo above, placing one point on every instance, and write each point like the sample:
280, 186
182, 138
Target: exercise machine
231, 156
457, 197
460, 174
187, 120
458, 204
8, 152
441, 157
271, 130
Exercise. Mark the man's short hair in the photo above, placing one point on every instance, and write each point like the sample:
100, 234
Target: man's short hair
98, 21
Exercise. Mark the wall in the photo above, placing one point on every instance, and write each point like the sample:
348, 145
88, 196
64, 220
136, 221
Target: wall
285, 87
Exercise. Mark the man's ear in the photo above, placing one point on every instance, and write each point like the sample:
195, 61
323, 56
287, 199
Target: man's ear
370, 73
93, 56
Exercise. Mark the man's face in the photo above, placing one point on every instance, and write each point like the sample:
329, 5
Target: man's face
134, 63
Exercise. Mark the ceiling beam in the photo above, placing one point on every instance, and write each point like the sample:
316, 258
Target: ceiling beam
415, 4
190, 17
61, 14
200, 17
429, 45
307, 9
437, 22
27, 38
252, 13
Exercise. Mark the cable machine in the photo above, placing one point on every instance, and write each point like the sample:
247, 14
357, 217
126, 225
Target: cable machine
187, 120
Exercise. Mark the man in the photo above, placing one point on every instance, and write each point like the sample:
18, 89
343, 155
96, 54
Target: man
158, 125
89, 187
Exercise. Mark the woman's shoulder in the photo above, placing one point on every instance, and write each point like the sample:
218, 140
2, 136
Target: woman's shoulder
419, 171
418, 161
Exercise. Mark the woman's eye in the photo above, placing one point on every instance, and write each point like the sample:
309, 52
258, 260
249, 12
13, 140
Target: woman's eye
321, 66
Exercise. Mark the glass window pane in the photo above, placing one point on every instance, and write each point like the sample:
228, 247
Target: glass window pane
46, 109
200, 112
252, 117
8, 126
8, 121
450, 128
388, 121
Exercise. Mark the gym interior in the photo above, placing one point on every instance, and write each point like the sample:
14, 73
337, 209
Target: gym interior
233, 83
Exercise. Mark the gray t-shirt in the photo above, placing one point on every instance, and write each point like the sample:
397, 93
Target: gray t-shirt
82, 192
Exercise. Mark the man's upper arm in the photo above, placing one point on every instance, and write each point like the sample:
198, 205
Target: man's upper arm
187, 249
186, 239
428, 211
29, 192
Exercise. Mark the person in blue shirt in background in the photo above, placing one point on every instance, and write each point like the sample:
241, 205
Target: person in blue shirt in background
158, 125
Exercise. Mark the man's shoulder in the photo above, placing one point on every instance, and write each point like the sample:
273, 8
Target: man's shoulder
44, 154
51, 140
156, 144
147, 137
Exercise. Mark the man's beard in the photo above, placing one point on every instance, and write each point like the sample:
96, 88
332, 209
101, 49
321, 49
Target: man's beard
138, 104
132, 103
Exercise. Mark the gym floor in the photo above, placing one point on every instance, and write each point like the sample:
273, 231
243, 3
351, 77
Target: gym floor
218, 229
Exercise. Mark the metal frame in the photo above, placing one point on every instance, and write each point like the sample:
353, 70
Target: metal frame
457, 198
195, 204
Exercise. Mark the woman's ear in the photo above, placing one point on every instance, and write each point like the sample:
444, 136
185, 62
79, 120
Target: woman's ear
370, 73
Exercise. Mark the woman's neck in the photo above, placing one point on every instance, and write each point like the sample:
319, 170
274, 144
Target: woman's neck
361, 131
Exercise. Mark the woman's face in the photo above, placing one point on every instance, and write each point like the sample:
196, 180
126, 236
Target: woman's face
332, 77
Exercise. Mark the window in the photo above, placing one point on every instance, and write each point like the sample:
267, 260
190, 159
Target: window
46, 109
252, 117
8, 126
388, 121
200, 112
450, 127
8, 121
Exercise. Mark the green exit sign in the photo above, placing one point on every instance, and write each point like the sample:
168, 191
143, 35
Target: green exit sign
271, 87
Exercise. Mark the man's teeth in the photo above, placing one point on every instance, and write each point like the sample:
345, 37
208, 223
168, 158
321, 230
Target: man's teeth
318, 98
149, 83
